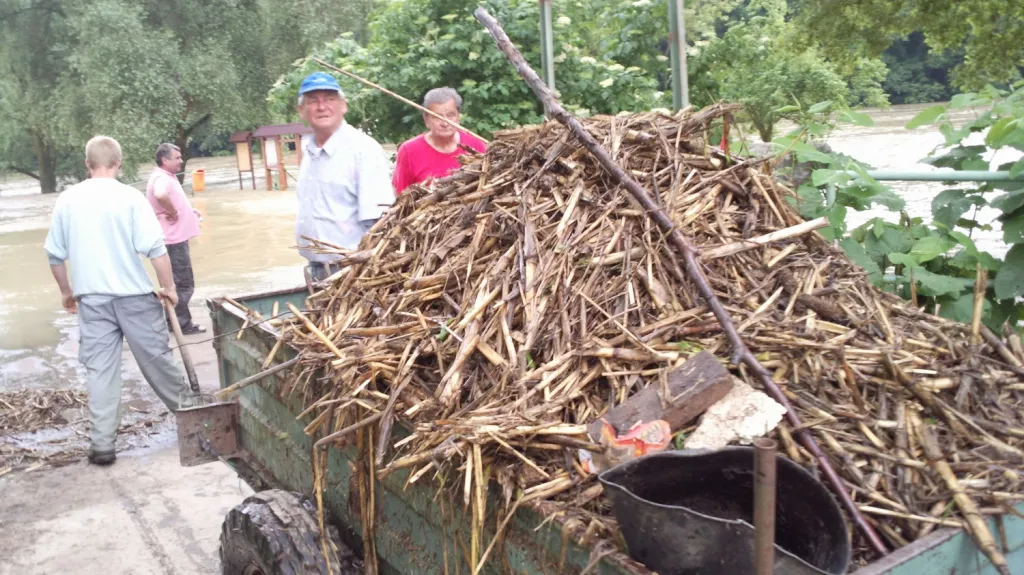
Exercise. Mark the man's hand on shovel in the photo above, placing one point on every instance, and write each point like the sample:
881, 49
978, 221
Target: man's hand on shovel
168, 295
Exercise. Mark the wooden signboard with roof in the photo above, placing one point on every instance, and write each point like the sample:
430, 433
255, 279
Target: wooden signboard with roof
243, 157
272, 144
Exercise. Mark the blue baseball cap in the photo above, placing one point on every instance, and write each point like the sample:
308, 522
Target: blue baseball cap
320, 81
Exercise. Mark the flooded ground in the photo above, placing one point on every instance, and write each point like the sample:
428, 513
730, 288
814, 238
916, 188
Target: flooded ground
889, 146
246, 246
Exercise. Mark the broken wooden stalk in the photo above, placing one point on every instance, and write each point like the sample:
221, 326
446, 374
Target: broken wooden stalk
690, 256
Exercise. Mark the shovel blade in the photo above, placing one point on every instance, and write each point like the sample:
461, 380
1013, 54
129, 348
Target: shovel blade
207, 432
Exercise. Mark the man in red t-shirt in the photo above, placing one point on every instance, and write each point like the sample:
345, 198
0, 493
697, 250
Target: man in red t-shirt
435, 153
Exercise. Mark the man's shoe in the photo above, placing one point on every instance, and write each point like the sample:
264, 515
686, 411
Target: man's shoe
192, 330
102, 457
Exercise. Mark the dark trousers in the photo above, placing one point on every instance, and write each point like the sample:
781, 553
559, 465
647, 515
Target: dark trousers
184, 283
319, 271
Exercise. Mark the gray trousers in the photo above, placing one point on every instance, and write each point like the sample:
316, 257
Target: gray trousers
184, 282
103, 322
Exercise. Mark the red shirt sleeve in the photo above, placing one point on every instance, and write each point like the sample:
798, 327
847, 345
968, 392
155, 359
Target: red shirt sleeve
475, 143
401, 178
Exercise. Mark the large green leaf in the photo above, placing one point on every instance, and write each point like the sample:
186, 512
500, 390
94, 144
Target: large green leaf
927, 249
950, 205
1010, 202
807, 153
1013, 228
826, 176
856, 253
968, 100
809, 201
1017, 169
934, 284
903, 260
893, 240
819, 107
973, 254
1009, 282
957, 156
836, 222
961, 308
856, 118
926, 116
1000, 129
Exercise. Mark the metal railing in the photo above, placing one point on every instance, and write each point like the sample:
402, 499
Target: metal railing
928, 176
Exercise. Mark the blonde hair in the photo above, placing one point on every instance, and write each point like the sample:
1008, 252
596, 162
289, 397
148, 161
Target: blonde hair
102, 152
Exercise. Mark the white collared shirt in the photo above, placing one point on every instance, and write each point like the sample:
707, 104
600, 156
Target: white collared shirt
343, 188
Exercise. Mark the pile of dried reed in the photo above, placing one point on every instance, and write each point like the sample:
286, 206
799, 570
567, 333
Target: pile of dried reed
32, 409
497, 313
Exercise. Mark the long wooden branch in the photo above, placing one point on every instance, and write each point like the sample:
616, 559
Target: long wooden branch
689, 253
400, 98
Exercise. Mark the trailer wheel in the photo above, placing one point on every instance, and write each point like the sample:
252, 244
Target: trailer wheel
275, 532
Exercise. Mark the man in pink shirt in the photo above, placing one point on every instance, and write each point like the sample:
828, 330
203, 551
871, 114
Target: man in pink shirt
180, 223
435, 153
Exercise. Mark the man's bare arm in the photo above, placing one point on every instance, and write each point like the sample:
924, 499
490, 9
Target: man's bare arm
162, 267
161, 195
67, 296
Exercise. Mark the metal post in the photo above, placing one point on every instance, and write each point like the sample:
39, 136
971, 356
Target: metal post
677, 44
547, 44
764, 505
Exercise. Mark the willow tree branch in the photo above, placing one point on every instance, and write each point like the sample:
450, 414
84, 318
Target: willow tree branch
690, 256
23, 171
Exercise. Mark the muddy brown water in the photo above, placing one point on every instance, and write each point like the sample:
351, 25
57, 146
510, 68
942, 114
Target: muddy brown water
245, 246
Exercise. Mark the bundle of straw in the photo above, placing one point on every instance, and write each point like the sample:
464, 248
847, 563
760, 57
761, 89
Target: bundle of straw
497, 313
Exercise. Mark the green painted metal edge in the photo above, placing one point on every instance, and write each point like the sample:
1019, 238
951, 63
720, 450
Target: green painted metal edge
414, 533
953, 552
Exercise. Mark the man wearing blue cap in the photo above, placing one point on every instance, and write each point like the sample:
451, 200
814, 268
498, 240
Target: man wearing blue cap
345, 178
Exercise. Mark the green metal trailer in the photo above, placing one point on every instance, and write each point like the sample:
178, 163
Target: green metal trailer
418, 532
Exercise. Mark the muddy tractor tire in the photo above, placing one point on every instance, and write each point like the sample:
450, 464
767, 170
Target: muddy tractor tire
275, 532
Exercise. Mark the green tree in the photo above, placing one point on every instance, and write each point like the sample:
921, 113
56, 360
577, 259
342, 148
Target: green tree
989, 32
635, 33
756, 64
149, 71
416, 45
141, 71
935, 263
918, 74
32, 60
295, 29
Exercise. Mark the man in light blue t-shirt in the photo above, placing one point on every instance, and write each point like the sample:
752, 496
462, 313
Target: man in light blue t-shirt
102, 227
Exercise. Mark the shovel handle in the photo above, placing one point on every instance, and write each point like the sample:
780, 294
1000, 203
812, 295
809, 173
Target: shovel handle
193, 381
254, 378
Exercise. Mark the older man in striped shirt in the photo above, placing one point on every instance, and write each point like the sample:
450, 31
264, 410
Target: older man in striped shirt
345, 179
